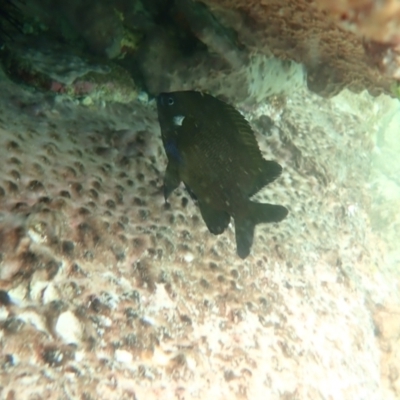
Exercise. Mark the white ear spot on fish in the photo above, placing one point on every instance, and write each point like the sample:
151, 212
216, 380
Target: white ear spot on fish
178, 120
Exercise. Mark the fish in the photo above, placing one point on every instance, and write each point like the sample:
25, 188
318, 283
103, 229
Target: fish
212, 149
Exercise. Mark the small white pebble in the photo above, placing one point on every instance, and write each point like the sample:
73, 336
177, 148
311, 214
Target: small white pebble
105, 321
191, 363
188, 257
149, 320
79, 356
123, 356
69, 328
160, 357
352, 210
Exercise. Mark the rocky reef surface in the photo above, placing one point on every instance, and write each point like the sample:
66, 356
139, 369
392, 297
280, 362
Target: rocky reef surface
106, 292
346, 44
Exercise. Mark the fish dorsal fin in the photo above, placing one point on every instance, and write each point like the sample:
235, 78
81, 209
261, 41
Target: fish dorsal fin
244, 134
268, 170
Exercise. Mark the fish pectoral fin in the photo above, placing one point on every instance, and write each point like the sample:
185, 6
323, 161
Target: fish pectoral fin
258, 213
171, 179
216, 221
270, 170
191, 194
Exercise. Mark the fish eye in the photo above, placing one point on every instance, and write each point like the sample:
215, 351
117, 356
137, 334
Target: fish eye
170, 101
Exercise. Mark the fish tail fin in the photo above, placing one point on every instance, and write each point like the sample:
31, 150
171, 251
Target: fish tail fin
257, 213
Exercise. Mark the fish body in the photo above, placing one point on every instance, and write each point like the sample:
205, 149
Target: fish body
212, 149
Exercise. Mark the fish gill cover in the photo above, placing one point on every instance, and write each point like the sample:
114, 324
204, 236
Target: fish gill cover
109, 292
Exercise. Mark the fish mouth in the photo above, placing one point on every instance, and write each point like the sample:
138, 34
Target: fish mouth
160, 99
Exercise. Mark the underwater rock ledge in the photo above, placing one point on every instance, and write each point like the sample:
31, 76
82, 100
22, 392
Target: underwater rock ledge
347, 44
327, 37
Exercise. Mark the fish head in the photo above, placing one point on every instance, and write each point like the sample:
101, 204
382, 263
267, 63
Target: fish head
168, 108
172, 109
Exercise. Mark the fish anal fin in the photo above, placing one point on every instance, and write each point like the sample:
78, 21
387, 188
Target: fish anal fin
244, 226
216, 221
171, 179
244, 233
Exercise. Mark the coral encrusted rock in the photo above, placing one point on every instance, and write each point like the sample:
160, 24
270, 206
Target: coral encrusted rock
308, 33
106, 292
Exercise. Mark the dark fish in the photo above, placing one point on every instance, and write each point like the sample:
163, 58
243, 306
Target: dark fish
212, 149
